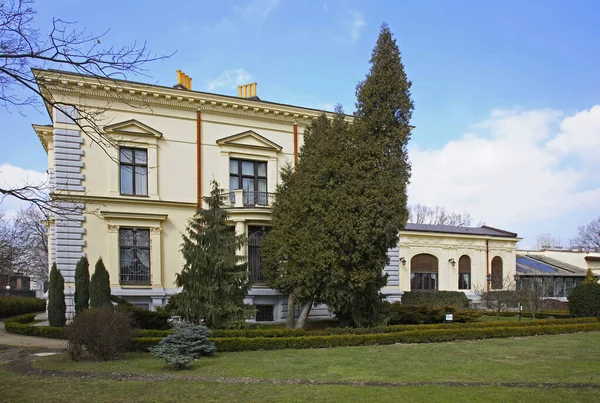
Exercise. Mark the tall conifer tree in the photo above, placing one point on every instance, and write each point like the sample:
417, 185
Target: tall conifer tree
381, 173
214, 278
82, 285
57, 308
100, 286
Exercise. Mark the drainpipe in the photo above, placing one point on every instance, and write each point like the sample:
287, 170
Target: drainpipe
199, 157
295, 145
487, 263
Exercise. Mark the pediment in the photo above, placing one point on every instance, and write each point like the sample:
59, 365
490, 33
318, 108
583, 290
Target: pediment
249, 139
132, 127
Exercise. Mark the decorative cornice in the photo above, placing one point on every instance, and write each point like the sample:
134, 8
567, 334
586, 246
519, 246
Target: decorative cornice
44, 133
123, 128
136, 216
266, 143
132, 92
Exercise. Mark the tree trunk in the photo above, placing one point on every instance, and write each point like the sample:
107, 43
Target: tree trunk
291, 319
301, 322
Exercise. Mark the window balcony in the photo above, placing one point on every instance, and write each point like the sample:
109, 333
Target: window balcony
244, 199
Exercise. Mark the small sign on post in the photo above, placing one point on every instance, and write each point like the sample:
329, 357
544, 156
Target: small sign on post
449, 317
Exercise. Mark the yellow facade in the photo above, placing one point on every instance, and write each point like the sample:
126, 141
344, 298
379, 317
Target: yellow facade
86, 175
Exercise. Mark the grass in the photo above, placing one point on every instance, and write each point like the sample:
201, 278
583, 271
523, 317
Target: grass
571, 358
24, 388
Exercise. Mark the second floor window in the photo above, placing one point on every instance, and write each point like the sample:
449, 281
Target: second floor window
251, 176
134, 171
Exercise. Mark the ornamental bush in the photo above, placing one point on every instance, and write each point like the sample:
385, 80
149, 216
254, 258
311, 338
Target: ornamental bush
436, 298
82, 285
100, 286
142, 318
57, 307
401, 314
187, 343
104, 332
584, 300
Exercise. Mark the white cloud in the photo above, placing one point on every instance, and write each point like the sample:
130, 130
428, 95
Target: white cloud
12, 177
514, 168
357, 25
256, 10
229, 79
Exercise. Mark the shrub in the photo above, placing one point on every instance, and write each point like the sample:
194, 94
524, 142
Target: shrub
57, 308
172, 304
104, 332
11, 306
436, 298
420, 314
82, 285
584, 300
100, 286
25, 329
143, 318
187, 343
486, 331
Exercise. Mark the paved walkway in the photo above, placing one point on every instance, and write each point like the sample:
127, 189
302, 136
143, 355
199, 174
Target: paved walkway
10, 339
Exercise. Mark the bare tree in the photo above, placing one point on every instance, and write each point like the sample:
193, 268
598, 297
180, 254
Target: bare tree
531, 291
23, 49
23, 246
588, 237
547, 241
498, 300
421, 214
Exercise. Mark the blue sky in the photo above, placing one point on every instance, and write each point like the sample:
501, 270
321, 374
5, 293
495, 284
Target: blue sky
504, 91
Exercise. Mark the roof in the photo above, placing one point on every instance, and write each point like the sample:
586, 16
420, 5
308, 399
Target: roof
592, 258
256, 99
449, 229
536, 265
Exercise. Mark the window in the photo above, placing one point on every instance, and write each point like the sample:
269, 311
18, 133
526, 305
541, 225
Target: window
134, 171
264, 313
134, 246
497, 276
251, 176
423, 272
464, 273
256, 235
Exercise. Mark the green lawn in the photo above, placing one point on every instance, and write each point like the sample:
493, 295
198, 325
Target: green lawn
564, 359
571, 358
26, 388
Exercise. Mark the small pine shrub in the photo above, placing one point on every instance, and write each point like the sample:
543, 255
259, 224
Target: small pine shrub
82, 285
103, 332
57, 307
584, 300
100, 286
187, 343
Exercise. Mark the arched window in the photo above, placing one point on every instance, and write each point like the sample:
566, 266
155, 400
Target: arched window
497, 276
464, 273
423, 272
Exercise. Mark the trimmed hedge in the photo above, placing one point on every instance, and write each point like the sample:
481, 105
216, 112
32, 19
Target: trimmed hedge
25, 329
400, 314
11, 306
143, 318
279, 333
538, 315
435, 298
230, 344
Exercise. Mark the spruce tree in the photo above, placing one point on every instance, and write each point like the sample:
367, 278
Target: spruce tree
82, 285
100, 286
57, 308
214, 278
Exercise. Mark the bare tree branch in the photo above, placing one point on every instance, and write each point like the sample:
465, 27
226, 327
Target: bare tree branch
23, 49
421, 214
588, 237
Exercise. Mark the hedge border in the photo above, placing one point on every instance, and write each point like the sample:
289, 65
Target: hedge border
351, 340
275, 333
11, 306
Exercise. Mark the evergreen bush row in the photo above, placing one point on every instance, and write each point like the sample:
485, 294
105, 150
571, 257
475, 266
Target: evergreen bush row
11, 306
22, 325
435, 298
142, 318
278, 333
230, 344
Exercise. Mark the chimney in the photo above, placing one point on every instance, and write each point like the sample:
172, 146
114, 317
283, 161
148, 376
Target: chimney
247, 91
184, 82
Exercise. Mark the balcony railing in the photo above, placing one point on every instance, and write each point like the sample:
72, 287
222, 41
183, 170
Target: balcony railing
242, 198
